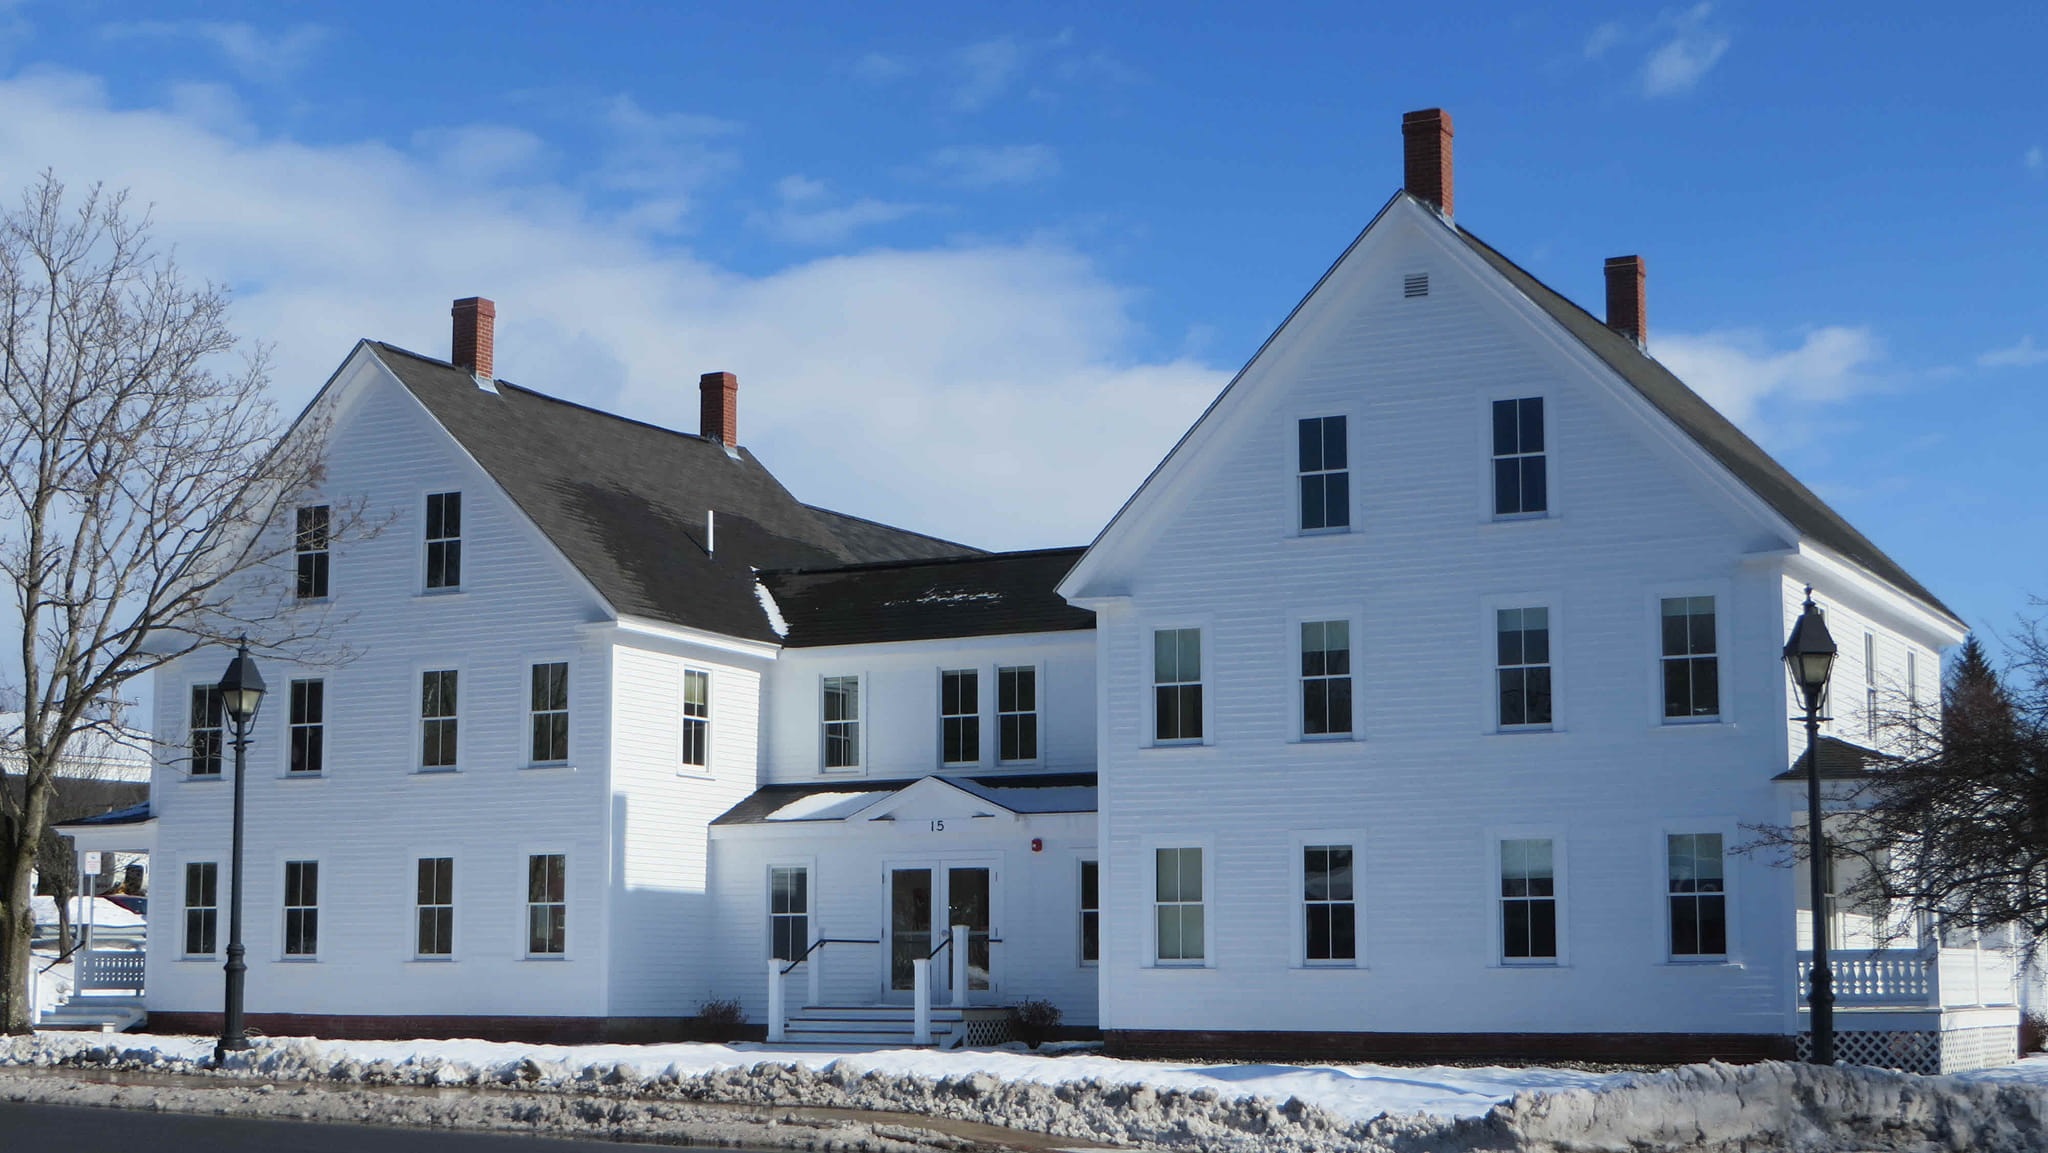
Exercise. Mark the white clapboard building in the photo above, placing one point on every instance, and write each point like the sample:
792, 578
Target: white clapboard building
1416, 705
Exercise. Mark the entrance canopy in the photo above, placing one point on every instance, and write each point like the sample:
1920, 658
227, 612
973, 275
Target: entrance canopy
940, 797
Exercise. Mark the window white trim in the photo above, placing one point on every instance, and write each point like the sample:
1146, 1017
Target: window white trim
1298, 921
525, 904
1724, 599
323, 575
1553, 503
465, 734
767, 902
1291, 455
286, 729
1297, 726
412, 905
1082, 859
284, 906
864, 707
983, 683
684, 670
220, 880
1489, 645
995, 705
1148, 638
186, 760
463, 536
1210, 935
527, 712
1560, 887
1731, 887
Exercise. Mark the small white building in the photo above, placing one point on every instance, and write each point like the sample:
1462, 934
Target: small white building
1414, 707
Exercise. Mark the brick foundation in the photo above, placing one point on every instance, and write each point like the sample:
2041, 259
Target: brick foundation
1620, 1048
541, 1030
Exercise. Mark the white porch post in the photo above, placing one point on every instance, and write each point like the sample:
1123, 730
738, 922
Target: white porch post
814, 961
959, 966
777, 1019
921, 1000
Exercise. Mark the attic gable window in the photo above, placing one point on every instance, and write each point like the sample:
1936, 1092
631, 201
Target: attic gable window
311, 543
1521, 484
1325, 475
444, 540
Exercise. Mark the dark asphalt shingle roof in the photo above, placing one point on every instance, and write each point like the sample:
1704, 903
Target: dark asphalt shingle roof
992, 594
1009, 789
1715, 433
1839, 761
625, 501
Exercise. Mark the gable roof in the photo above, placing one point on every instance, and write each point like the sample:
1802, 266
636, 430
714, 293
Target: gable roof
1840, 760
625, 501
992, 594
1713, 432
1021, 793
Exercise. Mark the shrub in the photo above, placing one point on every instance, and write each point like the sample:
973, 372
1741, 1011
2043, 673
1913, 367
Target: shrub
2033, 1033
721, 1019
1036, 1019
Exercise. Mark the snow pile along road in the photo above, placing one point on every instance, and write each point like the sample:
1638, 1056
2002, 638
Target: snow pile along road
1696, 1108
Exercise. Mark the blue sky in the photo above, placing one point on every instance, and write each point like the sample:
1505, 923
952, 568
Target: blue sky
977, 267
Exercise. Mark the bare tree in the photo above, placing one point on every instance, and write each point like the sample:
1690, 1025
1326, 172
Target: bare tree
140, 462
1953, 820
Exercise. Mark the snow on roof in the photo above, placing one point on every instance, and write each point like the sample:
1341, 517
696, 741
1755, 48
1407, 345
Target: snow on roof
827, 806
1025, 798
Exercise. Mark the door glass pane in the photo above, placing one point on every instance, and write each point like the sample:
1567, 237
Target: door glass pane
910, 923
967, 904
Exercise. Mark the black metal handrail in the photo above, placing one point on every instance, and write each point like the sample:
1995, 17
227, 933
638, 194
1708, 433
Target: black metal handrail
934, 954
819, 943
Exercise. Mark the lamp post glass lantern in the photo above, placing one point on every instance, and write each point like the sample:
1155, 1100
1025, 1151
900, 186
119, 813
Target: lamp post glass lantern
241, 694
1810, 658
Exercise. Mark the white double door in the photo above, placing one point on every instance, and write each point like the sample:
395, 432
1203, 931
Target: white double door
921, 901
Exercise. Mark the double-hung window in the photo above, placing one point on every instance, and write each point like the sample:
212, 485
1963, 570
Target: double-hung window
548, 713
1325, 476
1869, 685
202, 908
1325, 678
1692, 671
1177, 685
1017, 713
696, 718
1697, 894
1521, 485
842, 722
444, 540
1329, 905
1522, 666
1528, 901
437, 719
309, 727
311, 546
435, 908
789, 911
208, 728
301, 908
960, 716
1091, 912
547, 904
1177, 905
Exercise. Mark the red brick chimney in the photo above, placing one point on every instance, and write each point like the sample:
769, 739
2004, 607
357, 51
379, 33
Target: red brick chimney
476, 322
1627, 302
719, 407
1427, 137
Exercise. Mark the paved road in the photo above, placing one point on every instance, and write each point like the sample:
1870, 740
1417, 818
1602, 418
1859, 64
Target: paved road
76, 1130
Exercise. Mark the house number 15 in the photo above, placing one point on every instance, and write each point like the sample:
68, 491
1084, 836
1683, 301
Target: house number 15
938, 826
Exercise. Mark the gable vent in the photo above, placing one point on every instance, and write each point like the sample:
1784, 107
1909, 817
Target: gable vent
1415, 284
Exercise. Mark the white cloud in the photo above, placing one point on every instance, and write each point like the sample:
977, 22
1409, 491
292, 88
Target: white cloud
2025, 354
986, 70
1604, 37
1695, 44
984, 167
253, 53
1740, 371
985, 393
2036, 160
806, 214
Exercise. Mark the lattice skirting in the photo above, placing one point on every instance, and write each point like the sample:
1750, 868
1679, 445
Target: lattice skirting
984, 1027
1922, 1051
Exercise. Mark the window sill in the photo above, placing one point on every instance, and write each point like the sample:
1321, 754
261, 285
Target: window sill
693, 773
1303, 535
1332, 740
430, 960
1701, 963
439, 594
196, 778
437, 771
843, 771
302, 776
1174, 746
326, 600
1520, 518
548, 767
547, 958
1529, 966
1180, 966
1330, 967
1687, 722
1525, 730
298, 960
200, 959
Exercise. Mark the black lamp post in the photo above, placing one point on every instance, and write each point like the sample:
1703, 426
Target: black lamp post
1809, 657
241, 693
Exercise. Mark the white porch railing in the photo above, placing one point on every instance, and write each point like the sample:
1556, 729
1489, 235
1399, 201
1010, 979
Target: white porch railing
1916, 979
921, 982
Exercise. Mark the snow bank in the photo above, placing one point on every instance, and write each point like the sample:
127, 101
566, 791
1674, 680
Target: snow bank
105, 914
1700, 1108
